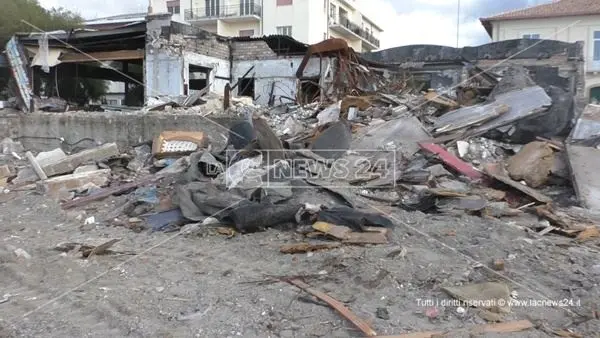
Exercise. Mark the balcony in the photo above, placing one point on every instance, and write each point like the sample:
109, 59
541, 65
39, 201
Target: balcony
242, 12
351, 30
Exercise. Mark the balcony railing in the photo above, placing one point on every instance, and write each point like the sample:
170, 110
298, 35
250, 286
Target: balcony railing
356, 29
231, 11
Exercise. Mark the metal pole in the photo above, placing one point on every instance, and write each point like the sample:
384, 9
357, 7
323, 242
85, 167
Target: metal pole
458, 24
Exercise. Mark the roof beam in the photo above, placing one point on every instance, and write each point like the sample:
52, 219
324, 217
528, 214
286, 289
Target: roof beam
117, 55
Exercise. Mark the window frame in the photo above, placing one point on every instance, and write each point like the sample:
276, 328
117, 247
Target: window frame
246, 31
530, 36
284, 30
596, 45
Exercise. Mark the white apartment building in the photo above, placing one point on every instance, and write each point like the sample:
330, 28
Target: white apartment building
308, 21
564, 20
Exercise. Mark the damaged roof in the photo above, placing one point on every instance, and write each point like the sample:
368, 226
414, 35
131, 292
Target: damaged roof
124, 38
281, 44
560, 8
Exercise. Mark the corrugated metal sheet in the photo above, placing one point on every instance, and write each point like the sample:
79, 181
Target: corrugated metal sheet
18, 65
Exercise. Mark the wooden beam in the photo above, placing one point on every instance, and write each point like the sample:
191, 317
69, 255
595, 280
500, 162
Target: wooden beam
103, 56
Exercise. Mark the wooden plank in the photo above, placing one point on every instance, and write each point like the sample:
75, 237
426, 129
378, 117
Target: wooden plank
496, 171
103, 56
337, 305
453, 161
101, 194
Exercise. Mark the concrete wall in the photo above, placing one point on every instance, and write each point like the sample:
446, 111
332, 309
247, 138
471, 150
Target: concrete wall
164, 73
251, 50
42, 131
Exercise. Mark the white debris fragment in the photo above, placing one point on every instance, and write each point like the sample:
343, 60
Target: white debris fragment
22, 253
463, 148
329, 114
90, 220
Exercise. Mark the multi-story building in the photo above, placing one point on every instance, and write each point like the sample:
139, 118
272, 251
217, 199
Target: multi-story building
565, 20
308, 21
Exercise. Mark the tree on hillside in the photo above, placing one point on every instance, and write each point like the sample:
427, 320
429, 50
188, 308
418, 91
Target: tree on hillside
17, 13
15, 16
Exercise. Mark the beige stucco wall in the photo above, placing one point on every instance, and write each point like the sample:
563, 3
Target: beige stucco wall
234, 28
569, 29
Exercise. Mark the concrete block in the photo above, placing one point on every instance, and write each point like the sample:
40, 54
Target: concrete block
56, 186
27, 175
70, 163
85, 169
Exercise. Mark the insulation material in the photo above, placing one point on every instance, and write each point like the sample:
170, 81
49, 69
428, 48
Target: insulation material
178, 143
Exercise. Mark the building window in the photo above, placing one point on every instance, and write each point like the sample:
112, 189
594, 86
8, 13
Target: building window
173, 6
285, 2
113, 102
531, 36
284, 30
246, 32
597, 46
212, 7
332, 11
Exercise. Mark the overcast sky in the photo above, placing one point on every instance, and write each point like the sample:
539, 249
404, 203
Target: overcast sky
404, 21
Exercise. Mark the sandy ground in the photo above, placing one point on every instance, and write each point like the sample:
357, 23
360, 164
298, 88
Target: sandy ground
209, 285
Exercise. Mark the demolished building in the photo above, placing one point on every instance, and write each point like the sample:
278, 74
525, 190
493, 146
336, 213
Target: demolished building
164, 58
332, 144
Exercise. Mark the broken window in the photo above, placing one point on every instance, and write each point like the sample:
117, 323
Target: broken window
199, 77
246, 32
284, 30
531, 36
246, 87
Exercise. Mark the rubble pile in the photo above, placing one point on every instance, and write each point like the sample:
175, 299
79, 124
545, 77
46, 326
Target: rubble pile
327, 168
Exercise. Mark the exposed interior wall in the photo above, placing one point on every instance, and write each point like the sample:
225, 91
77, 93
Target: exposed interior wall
164, 73
281, 72
219, 73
